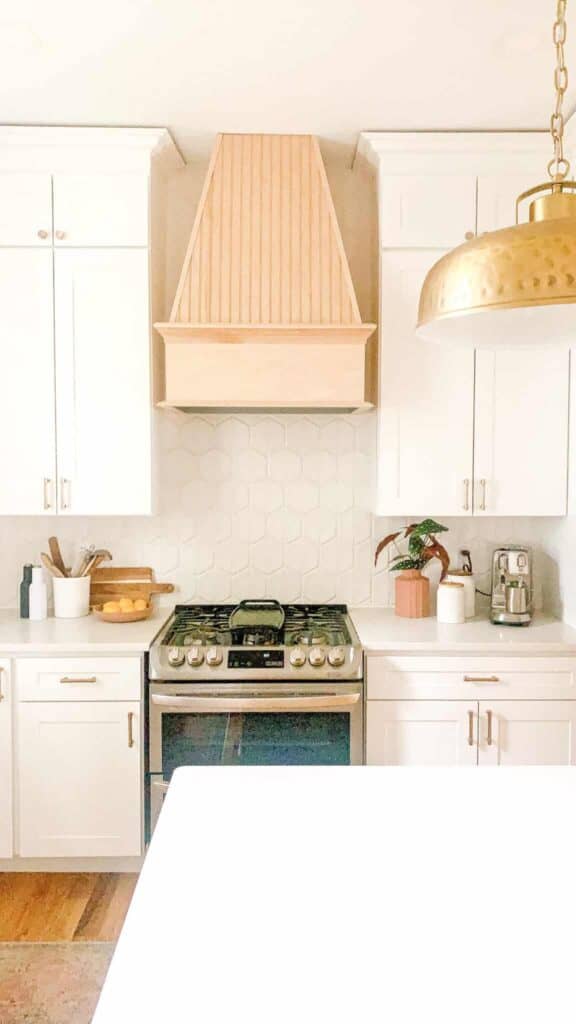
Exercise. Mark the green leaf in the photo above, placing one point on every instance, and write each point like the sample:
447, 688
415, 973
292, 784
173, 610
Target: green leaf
415, 544
406, 563
428, 526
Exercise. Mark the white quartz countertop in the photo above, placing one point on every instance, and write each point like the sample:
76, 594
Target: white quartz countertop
88, 634
380, 630
333, 895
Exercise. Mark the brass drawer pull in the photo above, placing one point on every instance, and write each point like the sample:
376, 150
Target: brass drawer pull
481, 679
78, 679
470, 728
489, 733
1, 674
130, 728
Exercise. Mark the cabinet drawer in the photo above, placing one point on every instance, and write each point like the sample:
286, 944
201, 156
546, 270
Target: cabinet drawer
456, 678
47, 679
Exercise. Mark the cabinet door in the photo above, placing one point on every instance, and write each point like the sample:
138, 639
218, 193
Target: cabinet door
6, 844
418, 210
100, 209
521, 432
79, 772
25, 209
27, 427
421, 732
103, 381
425, 417
527, 732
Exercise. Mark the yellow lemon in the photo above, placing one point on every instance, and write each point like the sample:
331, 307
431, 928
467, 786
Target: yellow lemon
111, 606
140, 605
126, 604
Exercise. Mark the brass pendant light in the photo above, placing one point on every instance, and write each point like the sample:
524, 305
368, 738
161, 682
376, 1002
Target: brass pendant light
516, 286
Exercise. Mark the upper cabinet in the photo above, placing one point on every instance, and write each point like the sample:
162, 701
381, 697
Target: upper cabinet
25, 208
460, 433
75, 353
100, 209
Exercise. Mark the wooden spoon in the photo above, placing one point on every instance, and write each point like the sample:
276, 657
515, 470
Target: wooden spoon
56, 555
49, 564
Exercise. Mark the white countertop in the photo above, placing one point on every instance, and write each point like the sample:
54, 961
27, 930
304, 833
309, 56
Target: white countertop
380, 630
88, 634
333, 895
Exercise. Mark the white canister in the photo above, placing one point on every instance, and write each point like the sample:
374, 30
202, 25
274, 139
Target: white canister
450, 602
469, 583
71, 596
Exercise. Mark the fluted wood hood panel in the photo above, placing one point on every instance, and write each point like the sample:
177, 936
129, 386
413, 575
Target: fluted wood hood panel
265, 266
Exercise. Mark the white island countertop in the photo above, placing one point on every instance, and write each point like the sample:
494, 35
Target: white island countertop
381, 631
87, 634
331, 895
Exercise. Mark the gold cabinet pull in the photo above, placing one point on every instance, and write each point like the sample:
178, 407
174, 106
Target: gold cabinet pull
64, 493
466, 504
489, 732
47, 493
483, 496
130, 728
470, 728
78, 679
1, 674
481, 679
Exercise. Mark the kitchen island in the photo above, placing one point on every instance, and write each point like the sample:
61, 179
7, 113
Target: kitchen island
331, 895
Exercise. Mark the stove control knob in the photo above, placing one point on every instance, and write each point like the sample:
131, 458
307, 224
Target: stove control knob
195, 656
297, 657
214, 656
316, 657
336, 656
175, 656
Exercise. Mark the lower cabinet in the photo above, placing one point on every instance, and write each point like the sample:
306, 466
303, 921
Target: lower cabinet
79, 779
6, 816
421, 732
458, 732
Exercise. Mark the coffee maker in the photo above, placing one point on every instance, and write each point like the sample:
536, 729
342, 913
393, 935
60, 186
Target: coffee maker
511, 603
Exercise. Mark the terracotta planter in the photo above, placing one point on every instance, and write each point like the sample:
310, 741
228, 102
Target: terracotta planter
412, 594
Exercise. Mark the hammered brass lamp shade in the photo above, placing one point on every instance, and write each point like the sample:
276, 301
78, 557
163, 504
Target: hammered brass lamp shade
510, 287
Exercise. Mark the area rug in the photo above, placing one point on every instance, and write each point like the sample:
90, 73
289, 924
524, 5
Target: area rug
51, 982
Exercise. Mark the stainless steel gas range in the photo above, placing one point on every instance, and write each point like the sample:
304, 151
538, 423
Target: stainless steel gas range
259, 683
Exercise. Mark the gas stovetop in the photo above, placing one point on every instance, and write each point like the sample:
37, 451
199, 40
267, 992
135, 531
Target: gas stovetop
256, 639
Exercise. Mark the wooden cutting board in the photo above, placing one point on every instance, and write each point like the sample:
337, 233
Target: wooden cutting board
128, 581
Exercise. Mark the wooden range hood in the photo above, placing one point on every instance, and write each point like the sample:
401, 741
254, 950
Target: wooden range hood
265, 314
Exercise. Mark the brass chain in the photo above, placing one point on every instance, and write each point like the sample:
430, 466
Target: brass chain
558, 167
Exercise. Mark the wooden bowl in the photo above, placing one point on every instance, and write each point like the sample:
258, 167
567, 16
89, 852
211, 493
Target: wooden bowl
135, 616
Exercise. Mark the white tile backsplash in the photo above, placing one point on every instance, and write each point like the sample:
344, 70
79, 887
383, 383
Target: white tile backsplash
274, 505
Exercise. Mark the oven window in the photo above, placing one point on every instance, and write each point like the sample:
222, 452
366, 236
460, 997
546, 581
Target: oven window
254, 739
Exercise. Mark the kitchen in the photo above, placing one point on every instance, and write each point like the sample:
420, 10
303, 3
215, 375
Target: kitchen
227, 388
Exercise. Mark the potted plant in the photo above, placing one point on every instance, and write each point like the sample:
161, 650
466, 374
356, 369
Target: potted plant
412, 588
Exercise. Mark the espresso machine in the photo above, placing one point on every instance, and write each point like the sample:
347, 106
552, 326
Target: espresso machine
511, 603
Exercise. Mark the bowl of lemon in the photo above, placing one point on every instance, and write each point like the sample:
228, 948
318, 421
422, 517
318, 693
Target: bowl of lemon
123, 609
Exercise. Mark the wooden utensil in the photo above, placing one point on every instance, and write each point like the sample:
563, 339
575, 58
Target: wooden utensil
49, 565
111, 583
56, 555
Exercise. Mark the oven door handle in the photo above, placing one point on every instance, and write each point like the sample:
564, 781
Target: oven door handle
321, 702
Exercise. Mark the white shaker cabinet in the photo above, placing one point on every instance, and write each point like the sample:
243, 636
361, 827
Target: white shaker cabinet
421, 732
100, 210
527, 732
79, 779
27, 409
25, 209
79, 210
459, 433
103, 387
6, 839
521, 432
425, 422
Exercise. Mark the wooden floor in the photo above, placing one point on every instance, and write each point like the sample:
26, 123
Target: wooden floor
63, 907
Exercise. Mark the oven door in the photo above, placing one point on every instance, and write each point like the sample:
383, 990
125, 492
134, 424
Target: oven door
250, 724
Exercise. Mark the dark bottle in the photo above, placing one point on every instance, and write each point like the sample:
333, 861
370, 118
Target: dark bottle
25, 592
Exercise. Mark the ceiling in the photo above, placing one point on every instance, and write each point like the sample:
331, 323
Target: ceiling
332, 67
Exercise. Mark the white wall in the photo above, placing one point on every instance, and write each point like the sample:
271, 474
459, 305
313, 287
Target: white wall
279, 505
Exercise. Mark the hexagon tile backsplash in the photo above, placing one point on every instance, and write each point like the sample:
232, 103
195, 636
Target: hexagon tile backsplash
257, 505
